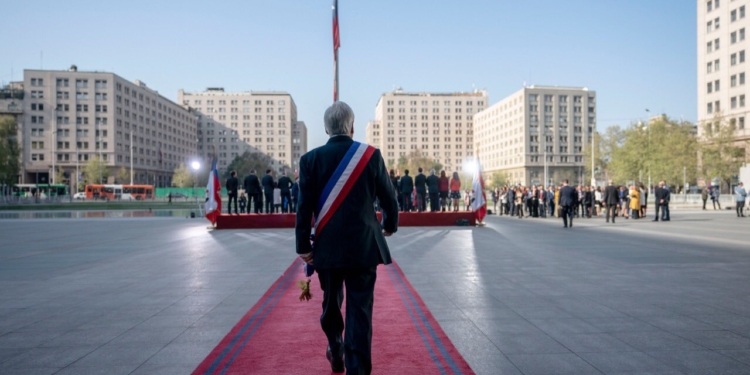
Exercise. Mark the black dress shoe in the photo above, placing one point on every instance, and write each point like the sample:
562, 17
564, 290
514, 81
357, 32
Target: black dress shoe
655, 220
337, 364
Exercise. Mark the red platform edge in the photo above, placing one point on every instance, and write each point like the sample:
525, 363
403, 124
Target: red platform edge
405, 219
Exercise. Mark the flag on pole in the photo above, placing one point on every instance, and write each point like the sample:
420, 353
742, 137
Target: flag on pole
479, 203
336, 45
213, 193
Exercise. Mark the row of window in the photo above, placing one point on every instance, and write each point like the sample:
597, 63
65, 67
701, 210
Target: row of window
244, 110
734, 15
577, 99
436, 102
233, 102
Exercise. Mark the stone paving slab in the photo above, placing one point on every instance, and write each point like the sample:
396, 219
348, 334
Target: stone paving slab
155, 295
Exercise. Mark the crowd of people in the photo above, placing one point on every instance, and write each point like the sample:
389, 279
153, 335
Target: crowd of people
262, 195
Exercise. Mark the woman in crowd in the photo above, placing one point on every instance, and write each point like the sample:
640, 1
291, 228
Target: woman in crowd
644, 199
534, 202
520, 198
635, 201
455, 186
598, 201
443, 189
624, 202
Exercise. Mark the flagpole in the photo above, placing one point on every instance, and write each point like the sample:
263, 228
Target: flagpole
336, 75
336, 45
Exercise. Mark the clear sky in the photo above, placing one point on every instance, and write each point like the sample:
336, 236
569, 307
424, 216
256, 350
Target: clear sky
636, 54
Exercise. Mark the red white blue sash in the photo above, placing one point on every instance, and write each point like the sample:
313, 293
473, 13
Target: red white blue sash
341, 183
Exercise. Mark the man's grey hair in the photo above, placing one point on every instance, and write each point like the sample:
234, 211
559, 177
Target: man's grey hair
432, 172
339, 119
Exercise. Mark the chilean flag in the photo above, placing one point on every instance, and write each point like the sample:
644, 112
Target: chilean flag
479, 204
213, 193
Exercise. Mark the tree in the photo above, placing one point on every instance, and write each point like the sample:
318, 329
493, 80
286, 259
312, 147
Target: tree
415, 160
182, 177
59, 176
498, 179
248, 161
10, 151
94, 171
721, 154
660, 149
123, 176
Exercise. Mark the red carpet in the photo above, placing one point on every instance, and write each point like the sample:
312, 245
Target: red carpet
281, 335
405, 219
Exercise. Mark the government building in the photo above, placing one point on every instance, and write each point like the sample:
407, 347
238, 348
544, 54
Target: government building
263, 123
71, 116
438, 125
537, 123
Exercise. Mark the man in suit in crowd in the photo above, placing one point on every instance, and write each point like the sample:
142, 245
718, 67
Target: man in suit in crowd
252, 189
661, 199
511, 197
668, 197
347, 251
433, 188
285, 185
568, 202
420, 182
551, 200
611, 198
407, 188
268, 186
232, 185
542, 202
295, 194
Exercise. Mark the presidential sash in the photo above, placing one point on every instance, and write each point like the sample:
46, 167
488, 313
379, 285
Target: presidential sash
341, 183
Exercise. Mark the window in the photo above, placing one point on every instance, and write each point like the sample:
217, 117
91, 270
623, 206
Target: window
716, 85
709, 6
82, 83
742, 56
709, 67
742, 15
716, 23
733, 81
733, 59
710, 108
710, 87
733, 15
716, 44
741, 123
716, 65
742, 101
733, 102
709, 26
709, 47
742, 33
742, 78
732, 38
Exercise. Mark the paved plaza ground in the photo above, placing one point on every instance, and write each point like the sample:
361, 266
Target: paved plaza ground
155, 295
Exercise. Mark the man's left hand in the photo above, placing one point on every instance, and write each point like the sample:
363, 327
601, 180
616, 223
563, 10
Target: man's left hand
307, 258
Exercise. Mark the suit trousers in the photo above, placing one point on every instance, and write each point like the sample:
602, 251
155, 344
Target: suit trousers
434, 202
406, 198
357, 342
421, 204
269, 203
286, 202
740, 208
611, 212
232, 197
257, 202
567, 214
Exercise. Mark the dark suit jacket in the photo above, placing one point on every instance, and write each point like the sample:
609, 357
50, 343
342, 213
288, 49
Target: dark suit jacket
661, 193
420, 181
406, 184
433, 184
285, 184
232, 185
252, 185
267, 182
353, 237
611, 196
568, 196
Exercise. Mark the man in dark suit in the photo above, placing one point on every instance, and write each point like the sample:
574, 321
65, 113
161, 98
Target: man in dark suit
433, 189
420, 182
568, 202
611, 198
407, 188
295, 194
285, 185
349, 248
661, 197
252, 189
232, 185
268, 186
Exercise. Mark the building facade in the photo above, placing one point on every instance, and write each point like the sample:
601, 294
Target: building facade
723, 91
263, 123
516, 134
71, 117
438, 125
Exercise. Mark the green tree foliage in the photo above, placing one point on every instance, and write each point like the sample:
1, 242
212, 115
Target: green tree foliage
721, 154
94, 171
10, 151
60, 176
416, 160
182, 177
123, 176
246, 162
662, 147
498, 179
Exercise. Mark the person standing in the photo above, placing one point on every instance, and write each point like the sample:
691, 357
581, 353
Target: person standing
550, 201
295, 194
433, 190
635, 201
231, 186
243, 203
740, 193
253, 191
407, 188
611, 198
704, 197
668, 197
542, 201
268, 186
644, 198
443, 189
588, 202
420, 182
285, 186
715, 195
347, 250
660, 196
455, 186
568, 202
